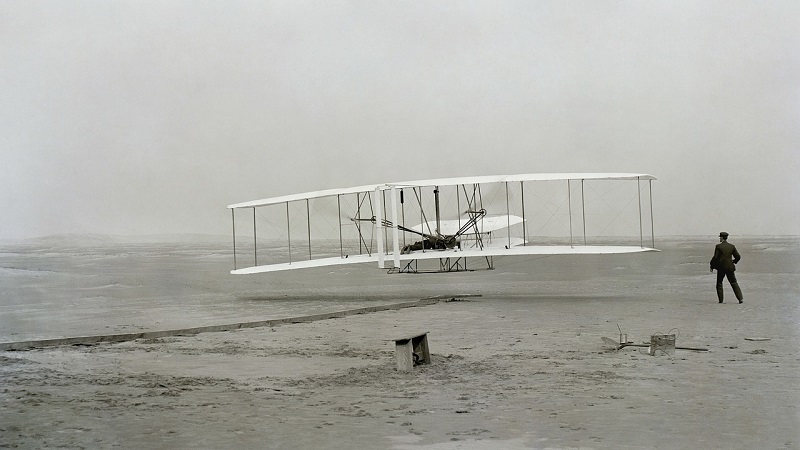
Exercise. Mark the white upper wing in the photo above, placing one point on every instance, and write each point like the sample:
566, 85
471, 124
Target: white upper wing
445, 182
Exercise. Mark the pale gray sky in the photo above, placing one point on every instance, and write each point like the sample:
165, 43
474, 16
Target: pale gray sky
149, 117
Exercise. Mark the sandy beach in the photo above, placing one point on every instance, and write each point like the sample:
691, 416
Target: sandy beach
517, 356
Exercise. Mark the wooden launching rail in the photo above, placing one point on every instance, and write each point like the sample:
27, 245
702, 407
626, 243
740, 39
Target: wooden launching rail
122, 337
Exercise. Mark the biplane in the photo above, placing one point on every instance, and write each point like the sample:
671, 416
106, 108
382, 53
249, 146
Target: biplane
438, 225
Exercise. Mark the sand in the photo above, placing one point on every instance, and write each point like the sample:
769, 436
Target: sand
521, 366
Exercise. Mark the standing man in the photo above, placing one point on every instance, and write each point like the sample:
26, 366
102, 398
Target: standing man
722, 261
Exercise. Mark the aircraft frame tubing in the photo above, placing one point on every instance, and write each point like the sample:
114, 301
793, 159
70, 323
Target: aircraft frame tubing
409, 267
446, 265
362, 243
233, 225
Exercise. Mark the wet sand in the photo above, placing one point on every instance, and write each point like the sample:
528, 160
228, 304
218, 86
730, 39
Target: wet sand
521, 366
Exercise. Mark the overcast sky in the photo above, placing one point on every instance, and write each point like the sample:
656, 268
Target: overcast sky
150, 117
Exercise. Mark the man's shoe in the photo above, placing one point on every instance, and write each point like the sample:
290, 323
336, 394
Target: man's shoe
720, 301
741, 301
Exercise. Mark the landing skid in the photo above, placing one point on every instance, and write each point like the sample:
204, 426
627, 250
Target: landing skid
446, 265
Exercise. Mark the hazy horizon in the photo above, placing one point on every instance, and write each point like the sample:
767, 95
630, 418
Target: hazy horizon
193, 237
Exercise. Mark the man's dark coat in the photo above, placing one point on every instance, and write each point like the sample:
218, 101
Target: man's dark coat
725, 256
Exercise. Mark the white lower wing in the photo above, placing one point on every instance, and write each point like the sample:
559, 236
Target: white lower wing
498, 250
